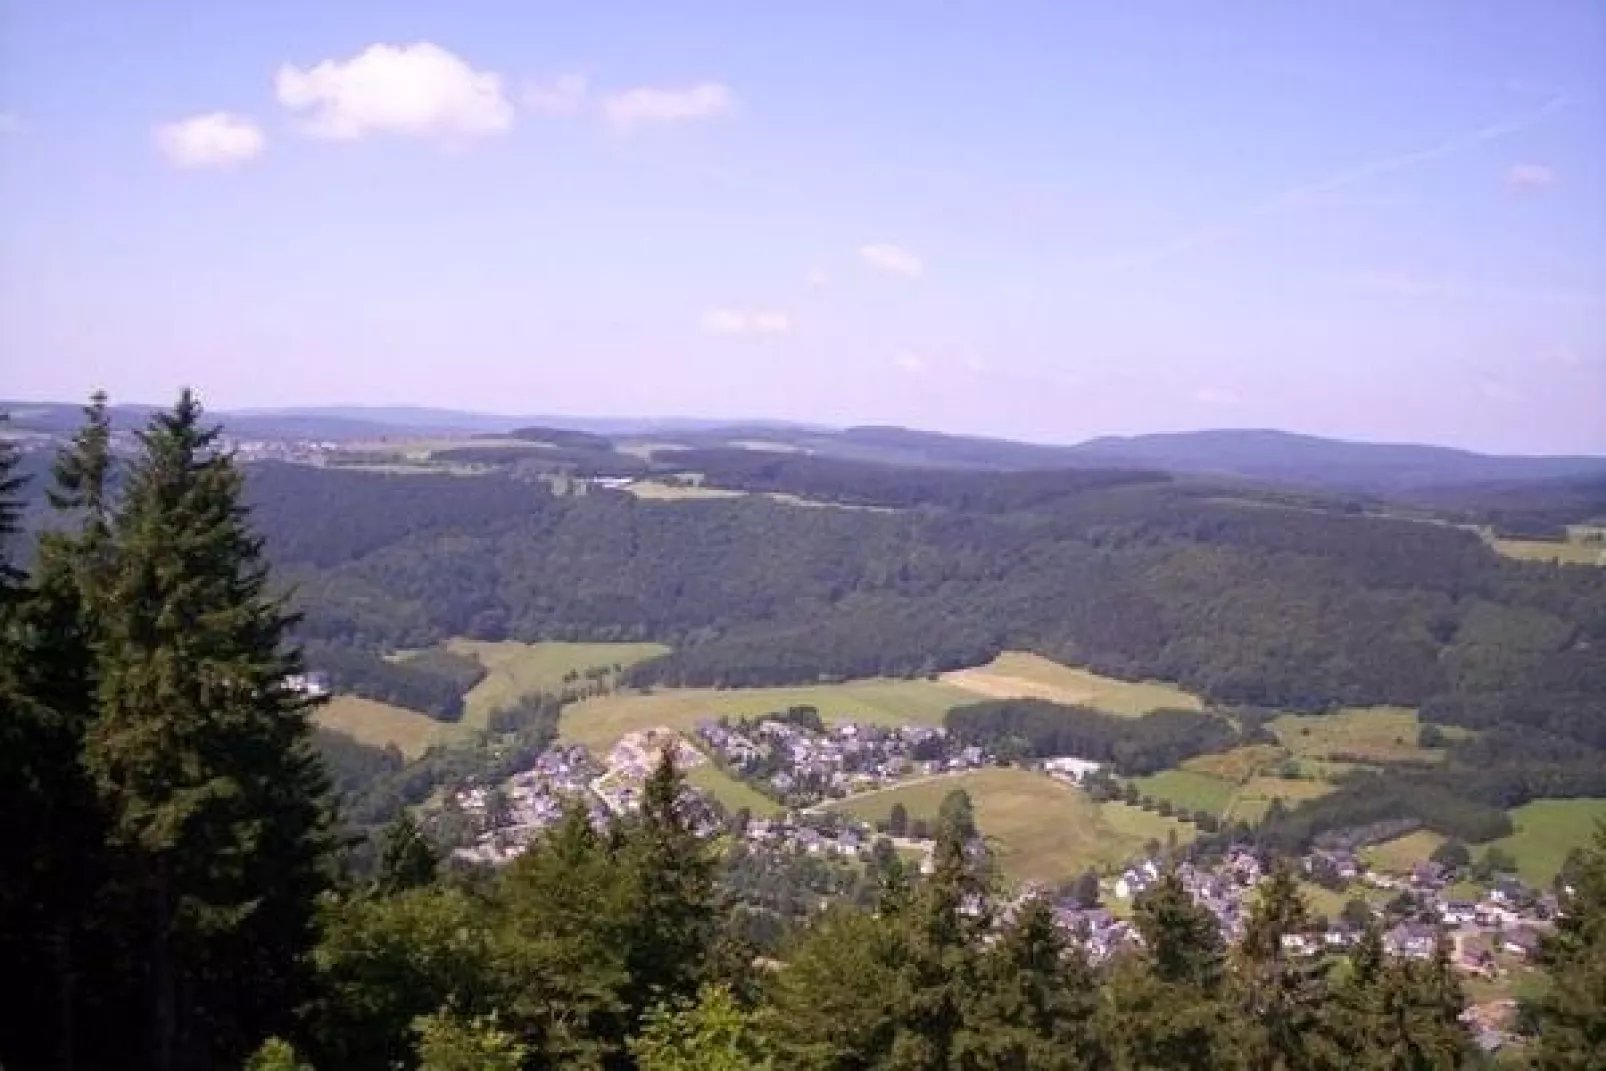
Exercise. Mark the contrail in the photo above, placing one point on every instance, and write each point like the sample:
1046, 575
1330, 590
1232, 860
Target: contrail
1294, 196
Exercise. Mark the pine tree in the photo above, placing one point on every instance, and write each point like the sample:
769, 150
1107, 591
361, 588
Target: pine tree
831, 1008
1571, 1016
1033, 1002
672, 910
55, 821
1278, 991
202, 755
407, 860
1182, 941
712, 1033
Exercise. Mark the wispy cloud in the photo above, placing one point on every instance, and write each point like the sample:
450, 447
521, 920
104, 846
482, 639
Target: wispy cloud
1530, 176
216, 139
912, 363
1402, 284
892, 260
746, 322
646, 105
818, 279
1306, 194
563, 95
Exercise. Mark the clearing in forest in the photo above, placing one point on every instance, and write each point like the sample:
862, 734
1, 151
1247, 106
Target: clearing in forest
1043, 830
516, 670
1546, 831
1022, 675
1356, 734
598, 722
381, 724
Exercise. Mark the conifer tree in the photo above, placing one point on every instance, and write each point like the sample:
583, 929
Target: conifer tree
1571, 1016
1033, 1002
202, 756
1277, 989
407, 860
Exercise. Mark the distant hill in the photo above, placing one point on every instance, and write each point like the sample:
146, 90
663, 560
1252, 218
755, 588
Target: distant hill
1283, 457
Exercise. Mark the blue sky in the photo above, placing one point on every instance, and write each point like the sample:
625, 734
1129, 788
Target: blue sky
1371, 218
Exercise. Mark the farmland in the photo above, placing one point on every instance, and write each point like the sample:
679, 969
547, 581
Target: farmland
1239, 764
1044, 831
1399, 855
1189, 790
515, 670
1363, 734
598, 722
1584, 545
732, 794
1021, 675
381, 724
1546, 831
1253, 800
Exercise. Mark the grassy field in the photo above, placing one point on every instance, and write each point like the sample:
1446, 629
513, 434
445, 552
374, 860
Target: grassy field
654, 491
1253, 800
1239, 764
1546, 831
730, 792
1189, 789
1399, 855
1044, 831
1020, 675
598, 722
1584, 545
380, 724
515, 670
1366, 734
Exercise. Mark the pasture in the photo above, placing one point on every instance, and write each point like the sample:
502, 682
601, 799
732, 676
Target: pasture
1043, 830
655, 491
1022, 675
1253, 800
1584, 545
515, 670
1189, 789
732, 794
381, 724
1355, 734
1546, 831
1399, 855
1239, 764
598, 722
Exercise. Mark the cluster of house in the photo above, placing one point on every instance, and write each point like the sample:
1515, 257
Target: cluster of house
632, 759
801, 766
513, 814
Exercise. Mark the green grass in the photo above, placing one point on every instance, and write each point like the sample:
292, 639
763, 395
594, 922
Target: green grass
1364, 734
515, 670
1584, 545
1043, 830
1239, 764
1188, 789
1399, 855
730, 792
1253, 800
1323, 901
1021, 675
1546, 831
380, 724
598, 723
654, 491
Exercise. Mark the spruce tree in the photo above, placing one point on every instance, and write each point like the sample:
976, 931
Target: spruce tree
407, 860
1571, 1016
54, 818
1033, 1001
1278, 990
202, 756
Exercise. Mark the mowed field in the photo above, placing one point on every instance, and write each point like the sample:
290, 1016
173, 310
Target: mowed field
1189, 789
1546, 831
515, 670
1399, 855
1044, 830
1253, 800
380, 724
1584, 545
1021, 675
599, 722
1365, 734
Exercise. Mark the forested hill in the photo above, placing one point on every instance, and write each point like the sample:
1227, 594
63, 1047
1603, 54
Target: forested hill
1243, 602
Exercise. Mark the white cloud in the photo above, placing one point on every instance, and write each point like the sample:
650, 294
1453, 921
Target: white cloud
650, 104
1215, 396
746, 322
1531, 176
977, 365
216, 139
563, 95
818, 279
893, 260
912, 363
419, 90
11, 123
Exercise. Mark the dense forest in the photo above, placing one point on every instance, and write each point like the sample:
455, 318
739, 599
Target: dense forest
181, 900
